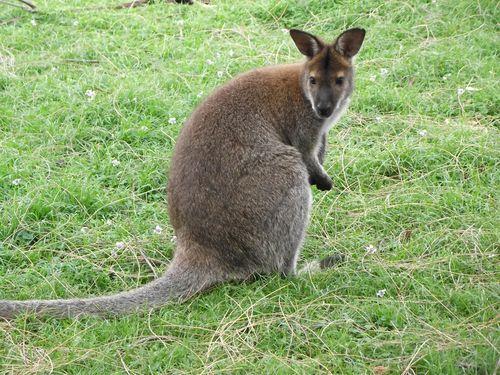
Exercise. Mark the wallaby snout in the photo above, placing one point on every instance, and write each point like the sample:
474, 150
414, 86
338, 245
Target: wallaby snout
324, 106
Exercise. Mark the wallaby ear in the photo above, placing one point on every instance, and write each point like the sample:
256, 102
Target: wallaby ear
307, 44
349, 42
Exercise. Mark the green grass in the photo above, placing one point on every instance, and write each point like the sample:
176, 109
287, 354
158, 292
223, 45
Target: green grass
427, 202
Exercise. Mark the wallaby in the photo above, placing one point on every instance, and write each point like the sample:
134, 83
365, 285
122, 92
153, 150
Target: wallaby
238, 194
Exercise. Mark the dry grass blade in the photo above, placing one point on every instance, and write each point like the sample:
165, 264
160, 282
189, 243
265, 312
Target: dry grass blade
138, 3
27, 5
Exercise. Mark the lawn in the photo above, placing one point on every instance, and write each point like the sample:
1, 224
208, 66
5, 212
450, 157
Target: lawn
92, 100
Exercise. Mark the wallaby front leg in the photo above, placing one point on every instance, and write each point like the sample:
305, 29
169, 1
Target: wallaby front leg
317, 175
322, 149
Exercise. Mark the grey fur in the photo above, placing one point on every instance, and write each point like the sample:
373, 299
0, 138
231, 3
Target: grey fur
239, 195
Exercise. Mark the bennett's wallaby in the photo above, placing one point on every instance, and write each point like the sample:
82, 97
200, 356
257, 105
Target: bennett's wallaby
239, 195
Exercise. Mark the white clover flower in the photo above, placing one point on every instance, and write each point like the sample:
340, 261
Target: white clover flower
217, 54
84, 230
172, 120
381, 293
90, 94
144, 128
231, 53
180, 22
370, 249
220, 74
210, 62
284, 31
373, 78
120, 245
75, 23
460, 91
7, 60
158, 230
200, 94
173, 239
422, 133
384, 72
33, 22
115, 162
16, 182
378, 119
109, 222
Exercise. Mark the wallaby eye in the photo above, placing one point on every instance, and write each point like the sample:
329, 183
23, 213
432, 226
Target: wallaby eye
312, 80
339, 80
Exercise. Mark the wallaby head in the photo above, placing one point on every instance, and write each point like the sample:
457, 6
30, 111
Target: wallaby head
328, 75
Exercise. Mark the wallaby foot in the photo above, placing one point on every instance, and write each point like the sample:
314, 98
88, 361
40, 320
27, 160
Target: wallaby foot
319, 265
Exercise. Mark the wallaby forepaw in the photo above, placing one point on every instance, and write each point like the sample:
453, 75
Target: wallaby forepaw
322, 183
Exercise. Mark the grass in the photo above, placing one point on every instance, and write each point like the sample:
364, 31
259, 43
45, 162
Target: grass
414, 163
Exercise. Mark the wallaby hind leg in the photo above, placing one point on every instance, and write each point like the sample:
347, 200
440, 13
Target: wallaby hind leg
293, 217
280, 249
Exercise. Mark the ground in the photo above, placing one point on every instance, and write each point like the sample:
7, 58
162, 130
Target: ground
91, 102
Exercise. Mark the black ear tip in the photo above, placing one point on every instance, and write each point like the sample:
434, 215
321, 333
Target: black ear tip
356, 30
359, 30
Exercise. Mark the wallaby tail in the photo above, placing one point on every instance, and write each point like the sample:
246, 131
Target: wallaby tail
179, 282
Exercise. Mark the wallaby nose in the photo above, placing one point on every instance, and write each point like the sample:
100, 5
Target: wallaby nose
324, 109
